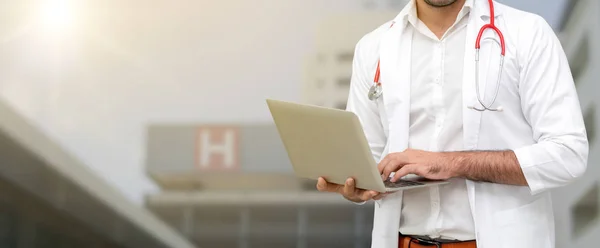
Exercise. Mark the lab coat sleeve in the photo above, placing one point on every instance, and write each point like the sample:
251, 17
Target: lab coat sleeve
363, 71
551, 106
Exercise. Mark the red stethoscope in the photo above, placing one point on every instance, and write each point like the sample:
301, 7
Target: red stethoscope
376, 90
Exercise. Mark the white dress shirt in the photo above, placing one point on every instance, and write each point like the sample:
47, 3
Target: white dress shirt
436, 125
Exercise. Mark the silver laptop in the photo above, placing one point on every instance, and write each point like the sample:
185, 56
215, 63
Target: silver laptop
330, 143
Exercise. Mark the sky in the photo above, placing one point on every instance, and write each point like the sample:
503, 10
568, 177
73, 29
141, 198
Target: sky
95, 80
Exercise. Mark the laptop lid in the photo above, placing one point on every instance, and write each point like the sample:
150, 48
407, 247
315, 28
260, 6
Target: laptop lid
325, 142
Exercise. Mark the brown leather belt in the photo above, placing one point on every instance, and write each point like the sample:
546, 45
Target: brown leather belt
423, 242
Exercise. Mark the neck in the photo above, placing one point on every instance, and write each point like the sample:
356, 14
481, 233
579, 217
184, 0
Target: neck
438, 19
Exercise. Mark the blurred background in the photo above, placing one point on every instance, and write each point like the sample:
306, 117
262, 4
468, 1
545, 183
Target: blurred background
130, 123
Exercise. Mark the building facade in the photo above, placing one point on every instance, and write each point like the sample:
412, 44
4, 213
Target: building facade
329, 68
233, 185
48, 198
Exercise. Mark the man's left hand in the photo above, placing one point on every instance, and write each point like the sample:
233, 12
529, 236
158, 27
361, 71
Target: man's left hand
431, 165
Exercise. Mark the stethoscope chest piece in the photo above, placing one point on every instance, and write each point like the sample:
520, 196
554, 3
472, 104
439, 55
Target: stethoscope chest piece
375, 92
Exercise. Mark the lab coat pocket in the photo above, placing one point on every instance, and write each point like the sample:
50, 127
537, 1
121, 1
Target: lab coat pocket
522, 227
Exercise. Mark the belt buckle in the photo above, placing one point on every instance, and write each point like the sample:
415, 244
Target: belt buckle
422, 241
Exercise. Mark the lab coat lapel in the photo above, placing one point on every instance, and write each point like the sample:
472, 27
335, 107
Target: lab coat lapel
395, 57
472, 118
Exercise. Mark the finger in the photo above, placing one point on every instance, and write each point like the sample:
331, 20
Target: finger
405, 170
380, 196
324, 186
391, 166
382, 163
321, 184
349, 187
366, 195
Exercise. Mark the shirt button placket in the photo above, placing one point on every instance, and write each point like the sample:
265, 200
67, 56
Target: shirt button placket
438, 89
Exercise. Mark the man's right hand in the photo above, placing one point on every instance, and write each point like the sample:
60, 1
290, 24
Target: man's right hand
348, 190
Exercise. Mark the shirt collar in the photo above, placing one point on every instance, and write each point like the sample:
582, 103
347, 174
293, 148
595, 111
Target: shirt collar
409, 12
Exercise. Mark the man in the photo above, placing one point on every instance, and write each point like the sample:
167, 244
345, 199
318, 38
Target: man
430, 121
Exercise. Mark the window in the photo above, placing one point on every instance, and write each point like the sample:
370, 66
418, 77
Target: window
343, 82
345, 57
47, 236
580, 61
585, 212
308, 185
7, 229
319, 83
590, 123
320, 58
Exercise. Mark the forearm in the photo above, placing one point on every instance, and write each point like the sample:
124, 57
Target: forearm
487, 166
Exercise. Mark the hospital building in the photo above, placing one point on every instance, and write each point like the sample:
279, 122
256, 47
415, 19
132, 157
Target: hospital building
232, 185
329, 69
49, 198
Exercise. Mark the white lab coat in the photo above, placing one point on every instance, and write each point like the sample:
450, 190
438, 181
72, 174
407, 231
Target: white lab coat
541, 122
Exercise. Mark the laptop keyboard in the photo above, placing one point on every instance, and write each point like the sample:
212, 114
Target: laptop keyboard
400, 183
